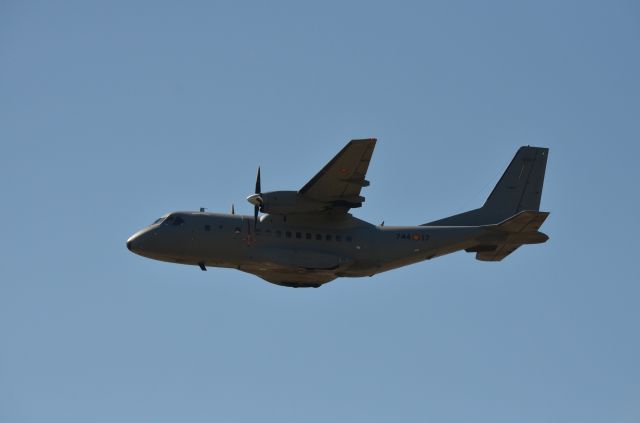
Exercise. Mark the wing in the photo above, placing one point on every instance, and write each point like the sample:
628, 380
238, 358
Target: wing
340, 181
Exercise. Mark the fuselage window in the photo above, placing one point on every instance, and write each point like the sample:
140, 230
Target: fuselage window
258, 231
237, 230
177, 221
338, 238
267, 232
328, 238
318, 237
207, 227
157, 220
288, 233
348, 238
298, 235
308, 235
279, 234
219, 226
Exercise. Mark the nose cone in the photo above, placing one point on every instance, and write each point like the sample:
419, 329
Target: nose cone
146, 243
131, 243
137, 243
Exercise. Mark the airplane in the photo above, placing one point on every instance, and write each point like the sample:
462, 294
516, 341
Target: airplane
307, 238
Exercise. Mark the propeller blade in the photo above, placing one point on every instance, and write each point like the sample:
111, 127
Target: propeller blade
255, 217
258, 188
256, 207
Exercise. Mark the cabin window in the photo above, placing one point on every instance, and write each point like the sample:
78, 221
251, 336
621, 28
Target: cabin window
318, 237
328, 238
268, 232
207, 227
219, 226
279, 234
258, 231
158, 220
177, 221
288, 233
338, 238
348, 238
308, 235
298, 235
237, 230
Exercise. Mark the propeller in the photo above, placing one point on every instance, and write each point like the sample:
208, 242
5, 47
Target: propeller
256, 200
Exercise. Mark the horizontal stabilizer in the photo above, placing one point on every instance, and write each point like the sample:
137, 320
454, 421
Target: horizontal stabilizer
498, 254
505, 237
525, 221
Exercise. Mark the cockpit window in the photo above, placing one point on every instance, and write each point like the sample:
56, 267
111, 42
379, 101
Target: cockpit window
174, 221
160, 219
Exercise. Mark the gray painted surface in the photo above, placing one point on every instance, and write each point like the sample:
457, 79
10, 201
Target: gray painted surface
309, 238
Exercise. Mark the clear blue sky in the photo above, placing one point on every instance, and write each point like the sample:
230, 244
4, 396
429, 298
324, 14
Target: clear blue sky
113, 113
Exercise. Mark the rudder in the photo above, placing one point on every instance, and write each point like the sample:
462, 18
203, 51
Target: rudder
519, 188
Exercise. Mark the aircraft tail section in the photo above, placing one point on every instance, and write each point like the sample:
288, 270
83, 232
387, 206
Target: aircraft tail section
519, 188
504, 238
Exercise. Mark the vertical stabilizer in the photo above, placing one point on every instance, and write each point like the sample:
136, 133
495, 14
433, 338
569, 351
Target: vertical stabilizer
519, 188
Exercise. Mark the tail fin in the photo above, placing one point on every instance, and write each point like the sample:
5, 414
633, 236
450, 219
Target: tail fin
519, 188
504, 238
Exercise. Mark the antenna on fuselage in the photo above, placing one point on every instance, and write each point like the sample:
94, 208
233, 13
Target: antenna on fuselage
233, 209
382, 224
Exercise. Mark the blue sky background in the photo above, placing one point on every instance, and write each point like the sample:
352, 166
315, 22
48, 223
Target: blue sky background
113, 113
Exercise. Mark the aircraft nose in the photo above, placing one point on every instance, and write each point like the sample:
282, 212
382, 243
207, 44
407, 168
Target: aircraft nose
144, 242
132, 243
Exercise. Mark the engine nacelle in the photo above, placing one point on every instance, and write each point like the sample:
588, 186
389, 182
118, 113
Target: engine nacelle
285, 202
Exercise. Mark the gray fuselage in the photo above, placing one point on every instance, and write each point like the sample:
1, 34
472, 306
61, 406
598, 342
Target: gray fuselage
307, 237
295, 250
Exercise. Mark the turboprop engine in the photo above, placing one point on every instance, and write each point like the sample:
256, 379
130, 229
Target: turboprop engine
284, 202
281, 202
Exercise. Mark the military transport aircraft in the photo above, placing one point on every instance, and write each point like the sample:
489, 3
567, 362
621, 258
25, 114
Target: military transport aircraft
307, 238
